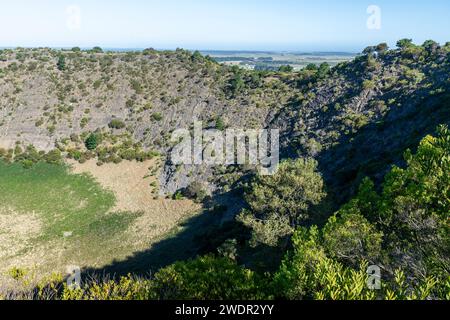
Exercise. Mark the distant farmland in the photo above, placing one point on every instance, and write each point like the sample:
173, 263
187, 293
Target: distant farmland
266, 60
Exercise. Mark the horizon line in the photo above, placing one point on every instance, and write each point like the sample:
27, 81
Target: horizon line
137, 49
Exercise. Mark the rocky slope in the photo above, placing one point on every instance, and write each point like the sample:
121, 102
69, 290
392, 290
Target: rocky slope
356, 118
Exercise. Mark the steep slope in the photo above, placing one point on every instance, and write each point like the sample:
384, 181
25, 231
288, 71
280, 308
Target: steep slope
355, 118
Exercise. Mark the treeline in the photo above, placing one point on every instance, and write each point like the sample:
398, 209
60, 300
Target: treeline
402, 229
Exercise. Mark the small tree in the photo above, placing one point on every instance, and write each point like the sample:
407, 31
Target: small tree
97, 50
404, 43
220, 125
286, 68
430, 46
61, 63
91, 142
117, 124
382, 47
283, 201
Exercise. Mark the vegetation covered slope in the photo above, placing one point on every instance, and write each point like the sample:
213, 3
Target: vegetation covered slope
346, 116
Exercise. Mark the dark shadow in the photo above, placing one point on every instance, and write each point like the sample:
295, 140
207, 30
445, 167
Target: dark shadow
200, 234
377, 147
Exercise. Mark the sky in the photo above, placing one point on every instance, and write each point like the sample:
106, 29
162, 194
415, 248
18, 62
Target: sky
283, 25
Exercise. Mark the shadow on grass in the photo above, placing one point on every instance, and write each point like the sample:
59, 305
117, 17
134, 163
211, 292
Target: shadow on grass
197, 235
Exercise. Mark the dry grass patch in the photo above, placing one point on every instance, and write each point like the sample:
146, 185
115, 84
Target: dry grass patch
130, 181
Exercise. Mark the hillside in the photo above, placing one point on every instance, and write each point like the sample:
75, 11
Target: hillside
50, 99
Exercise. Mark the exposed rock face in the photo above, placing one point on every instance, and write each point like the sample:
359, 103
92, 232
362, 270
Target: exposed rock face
355, 119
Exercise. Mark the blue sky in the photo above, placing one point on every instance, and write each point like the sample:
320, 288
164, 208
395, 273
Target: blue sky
319, 25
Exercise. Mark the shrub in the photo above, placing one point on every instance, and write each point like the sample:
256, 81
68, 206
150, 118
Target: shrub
220, 125
195, 191
368, 84
91, 142
157, 116
208, 278
280, 202
61, 64
117, 124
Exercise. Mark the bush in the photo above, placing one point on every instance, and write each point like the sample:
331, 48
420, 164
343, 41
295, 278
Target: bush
61, 64
157, 116
208, 278
283, 201
220, 125
195, 191
91, 142
117, 124
368, 84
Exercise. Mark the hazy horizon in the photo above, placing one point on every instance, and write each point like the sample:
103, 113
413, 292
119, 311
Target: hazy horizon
202, 50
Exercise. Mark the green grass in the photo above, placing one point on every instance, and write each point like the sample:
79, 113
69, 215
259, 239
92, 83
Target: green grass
63, 202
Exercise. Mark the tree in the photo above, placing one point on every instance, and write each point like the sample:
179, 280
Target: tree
382, 47
97, 50
308, 273
368, 85
91, 142
117, 124
286, 68
61, 64
279, 203
237, 83
404, 43
413, 209
323, 70
350, 238
369, 50
430, 46
196, 191
311, 67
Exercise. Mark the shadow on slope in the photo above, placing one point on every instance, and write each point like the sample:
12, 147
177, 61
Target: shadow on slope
378, 146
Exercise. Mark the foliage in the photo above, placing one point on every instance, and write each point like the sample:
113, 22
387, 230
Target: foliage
91, 142
283, 201
61, 63
286, 68
350, 238
208, 278
117, 124
220, 125
308, 273
196, 191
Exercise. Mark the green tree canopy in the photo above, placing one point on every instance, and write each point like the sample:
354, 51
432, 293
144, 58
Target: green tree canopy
283, 201
91, 142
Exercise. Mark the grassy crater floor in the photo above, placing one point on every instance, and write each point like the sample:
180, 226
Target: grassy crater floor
51, 218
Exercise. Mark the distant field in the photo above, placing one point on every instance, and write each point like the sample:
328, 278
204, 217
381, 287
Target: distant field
273, 60
51, 218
